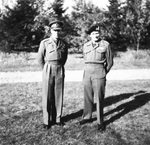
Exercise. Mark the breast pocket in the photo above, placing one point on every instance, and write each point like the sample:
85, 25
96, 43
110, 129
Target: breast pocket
51, 51
51, 54
87, 55
100, 53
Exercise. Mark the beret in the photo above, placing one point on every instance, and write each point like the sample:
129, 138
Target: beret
93, 28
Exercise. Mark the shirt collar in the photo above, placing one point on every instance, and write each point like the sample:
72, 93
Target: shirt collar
51, 40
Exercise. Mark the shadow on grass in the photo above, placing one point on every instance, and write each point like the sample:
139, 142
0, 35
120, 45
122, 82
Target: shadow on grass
72, 115
139, 99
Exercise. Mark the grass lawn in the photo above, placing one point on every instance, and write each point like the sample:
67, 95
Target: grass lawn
28, 62
127, 106
127, 115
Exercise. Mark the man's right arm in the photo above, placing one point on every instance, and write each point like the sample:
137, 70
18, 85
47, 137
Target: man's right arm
41, 54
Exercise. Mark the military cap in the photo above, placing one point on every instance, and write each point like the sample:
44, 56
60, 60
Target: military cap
56, 25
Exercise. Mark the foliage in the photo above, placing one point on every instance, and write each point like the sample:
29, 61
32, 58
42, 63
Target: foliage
146, 34
83, 16
125, 24
59, 13
17, 25
136, 21
115, 23
53, 11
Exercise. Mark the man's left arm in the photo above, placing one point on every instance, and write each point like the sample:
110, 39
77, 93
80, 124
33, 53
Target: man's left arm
65, 53
109, 58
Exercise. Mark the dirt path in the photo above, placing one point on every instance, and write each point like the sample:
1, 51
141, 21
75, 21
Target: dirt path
74, 76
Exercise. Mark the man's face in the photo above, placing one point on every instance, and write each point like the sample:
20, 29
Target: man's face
55, 34
95, 35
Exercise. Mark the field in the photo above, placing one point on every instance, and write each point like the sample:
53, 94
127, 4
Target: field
28, 62
127, 115
127, 107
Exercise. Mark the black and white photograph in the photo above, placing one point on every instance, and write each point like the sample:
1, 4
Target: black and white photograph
74, 72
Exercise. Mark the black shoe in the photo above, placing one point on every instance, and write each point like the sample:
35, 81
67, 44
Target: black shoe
53, 122
101, 127
46, 126
60, 123
84, 121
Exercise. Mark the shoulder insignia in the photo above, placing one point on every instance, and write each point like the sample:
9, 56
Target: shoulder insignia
45, 40
87, 47
104, 43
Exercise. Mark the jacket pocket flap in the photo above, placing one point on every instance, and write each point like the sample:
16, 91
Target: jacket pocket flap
101, 49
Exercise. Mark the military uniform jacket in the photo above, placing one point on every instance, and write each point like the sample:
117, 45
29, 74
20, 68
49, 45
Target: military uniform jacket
49, 51
100, 54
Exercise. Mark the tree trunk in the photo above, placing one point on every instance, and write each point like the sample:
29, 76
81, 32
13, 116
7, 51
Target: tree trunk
138, 40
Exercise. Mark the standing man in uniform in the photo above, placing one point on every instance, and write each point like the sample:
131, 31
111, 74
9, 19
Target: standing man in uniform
52, 56
98, 61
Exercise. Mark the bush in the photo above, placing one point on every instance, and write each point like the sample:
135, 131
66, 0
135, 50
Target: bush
17, 26
132, 55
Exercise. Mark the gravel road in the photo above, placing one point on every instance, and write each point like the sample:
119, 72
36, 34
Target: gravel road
73, 76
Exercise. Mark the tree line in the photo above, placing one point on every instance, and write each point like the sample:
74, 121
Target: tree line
123, 24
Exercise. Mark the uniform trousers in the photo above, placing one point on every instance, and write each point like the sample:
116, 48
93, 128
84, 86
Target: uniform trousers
53, 89
94, 87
